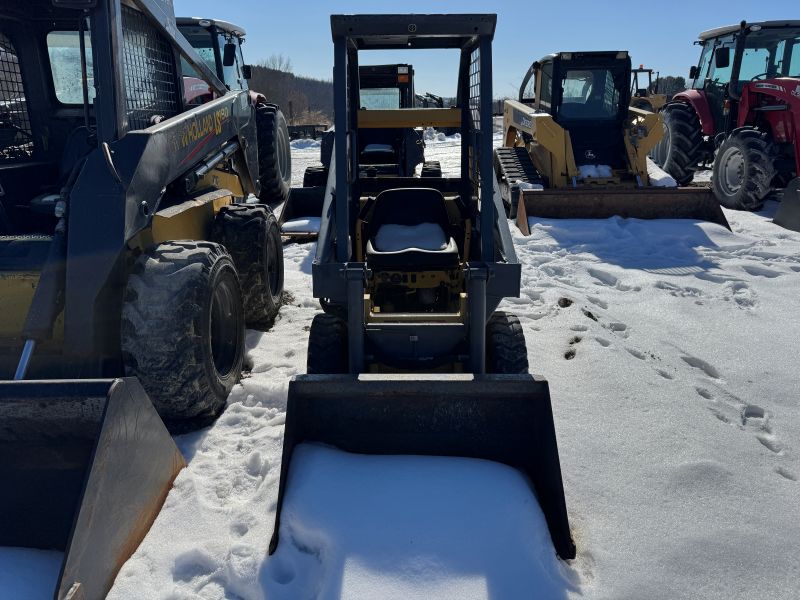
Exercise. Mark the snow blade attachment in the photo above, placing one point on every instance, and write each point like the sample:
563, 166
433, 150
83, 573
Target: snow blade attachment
503, 418
630, 203
85, 466
788, 215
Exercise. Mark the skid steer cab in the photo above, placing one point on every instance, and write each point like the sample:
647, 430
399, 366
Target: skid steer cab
130, 264
574, 147
411, 355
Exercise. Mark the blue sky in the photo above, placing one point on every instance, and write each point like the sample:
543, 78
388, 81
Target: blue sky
658, 34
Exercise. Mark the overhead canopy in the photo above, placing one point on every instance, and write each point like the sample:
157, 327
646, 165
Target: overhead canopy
393, 32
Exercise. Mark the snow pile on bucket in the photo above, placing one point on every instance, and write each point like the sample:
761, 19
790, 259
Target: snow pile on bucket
302, 225
594, 171
305, 144
26, 573
659, 177
357, 526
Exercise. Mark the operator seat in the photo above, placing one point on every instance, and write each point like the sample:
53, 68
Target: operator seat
77, 146
409, 229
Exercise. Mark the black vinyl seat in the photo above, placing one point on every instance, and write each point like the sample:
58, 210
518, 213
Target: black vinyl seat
411, 207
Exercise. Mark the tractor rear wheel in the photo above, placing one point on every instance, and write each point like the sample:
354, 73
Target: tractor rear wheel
744, 168
274, 154
680, 150
506, 351
327, 345
250, 234
182, 330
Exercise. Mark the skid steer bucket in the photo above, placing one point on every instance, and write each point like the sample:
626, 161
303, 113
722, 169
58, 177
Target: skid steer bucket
788, 215
503, 418
634, 203
85, 467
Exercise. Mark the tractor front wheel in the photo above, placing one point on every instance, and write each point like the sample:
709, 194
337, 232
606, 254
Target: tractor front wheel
744, 169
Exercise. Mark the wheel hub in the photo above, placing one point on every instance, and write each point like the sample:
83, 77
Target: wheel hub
731, 171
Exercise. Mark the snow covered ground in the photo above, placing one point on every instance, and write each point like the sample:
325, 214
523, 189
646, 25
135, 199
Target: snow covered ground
671, 351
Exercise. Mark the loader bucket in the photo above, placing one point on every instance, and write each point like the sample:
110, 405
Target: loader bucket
630, 203
503, 418
85, 467
788, 215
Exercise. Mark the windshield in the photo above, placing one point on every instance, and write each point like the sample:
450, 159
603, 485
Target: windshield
589, 94
380, 98
770, 53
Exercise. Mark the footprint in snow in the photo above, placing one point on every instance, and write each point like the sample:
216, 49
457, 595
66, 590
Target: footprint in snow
699, 363
757, 271
664, 374
597, 302
602, 341
636, 353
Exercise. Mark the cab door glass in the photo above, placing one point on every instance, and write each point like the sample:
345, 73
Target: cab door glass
722, 76
702, 69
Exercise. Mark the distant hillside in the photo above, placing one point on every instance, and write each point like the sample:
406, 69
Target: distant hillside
303, 100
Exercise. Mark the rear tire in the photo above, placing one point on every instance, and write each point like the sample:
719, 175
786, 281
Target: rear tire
315, 176
506, 351
680, 151
251, 236
183, 330
327, 345
274, 154
744, 168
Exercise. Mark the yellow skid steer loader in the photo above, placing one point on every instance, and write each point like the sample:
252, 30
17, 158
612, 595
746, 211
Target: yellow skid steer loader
574, 148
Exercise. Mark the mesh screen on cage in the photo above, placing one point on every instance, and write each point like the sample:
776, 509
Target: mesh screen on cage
16, 137
150, 73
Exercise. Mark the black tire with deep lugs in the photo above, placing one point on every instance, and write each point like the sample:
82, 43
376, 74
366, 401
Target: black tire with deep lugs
327, 345
744, 168
680, 152
506, 351
274, 154
182, 329
250, 234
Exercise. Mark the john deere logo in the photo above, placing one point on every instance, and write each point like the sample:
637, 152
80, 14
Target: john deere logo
412, 28
589, 154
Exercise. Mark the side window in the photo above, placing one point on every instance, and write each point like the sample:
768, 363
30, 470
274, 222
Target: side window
793, 68
231, 74
546, 91
151, 93
722, 75
702, 67
16, 137
64, 50
755, 61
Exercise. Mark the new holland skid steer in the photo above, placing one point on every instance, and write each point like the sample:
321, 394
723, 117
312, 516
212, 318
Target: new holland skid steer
574, 147
129, 266
383, 151
412, 355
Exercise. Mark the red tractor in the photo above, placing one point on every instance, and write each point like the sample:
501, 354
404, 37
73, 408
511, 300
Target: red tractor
741, 115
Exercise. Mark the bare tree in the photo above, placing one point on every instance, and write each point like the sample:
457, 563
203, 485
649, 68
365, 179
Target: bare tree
278, 62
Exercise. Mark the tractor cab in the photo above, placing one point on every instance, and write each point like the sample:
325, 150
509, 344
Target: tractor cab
587, 94
739, 58
219, 44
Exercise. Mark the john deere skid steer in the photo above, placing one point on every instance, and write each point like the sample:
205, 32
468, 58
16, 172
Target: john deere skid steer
129, 267
411, 355
573, 147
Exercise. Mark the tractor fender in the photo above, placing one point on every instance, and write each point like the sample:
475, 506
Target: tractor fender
257, 98
698, 101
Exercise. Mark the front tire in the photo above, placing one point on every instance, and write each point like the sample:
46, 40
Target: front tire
251, 235
744, 168
327, 345
274, 154
183, 330
506, 351
680, 151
